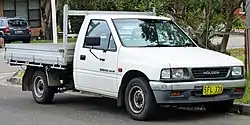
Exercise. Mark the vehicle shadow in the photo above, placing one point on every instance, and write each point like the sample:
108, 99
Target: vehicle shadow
108, 105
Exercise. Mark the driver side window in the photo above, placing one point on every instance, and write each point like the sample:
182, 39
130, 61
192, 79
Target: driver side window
100, 28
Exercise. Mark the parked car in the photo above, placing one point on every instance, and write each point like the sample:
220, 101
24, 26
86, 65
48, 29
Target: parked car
15, 29
143, 61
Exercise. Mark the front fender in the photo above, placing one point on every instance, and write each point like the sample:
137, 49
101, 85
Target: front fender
152, 71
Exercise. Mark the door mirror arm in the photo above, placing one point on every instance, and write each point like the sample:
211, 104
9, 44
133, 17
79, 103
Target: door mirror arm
101, 59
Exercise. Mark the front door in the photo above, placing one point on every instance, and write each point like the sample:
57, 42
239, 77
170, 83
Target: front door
97, 65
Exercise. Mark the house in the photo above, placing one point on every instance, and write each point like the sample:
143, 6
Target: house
28, 9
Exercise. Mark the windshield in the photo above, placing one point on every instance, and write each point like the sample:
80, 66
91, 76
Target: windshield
2, 23
17, 22
151, 33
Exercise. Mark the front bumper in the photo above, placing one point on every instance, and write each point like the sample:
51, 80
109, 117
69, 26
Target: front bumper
191, 92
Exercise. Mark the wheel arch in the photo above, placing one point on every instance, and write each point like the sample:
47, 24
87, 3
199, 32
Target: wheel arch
27, 78
127, 77
53, 77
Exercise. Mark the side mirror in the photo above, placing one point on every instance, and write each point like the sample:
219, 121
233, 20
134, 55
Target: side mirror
92, 41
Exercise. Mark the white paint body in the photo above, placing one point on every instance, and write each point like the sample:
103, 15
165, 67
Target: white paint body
150, 61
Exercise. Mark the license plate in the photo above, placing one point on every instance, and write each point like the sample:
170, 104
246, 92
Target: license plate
213, 90
19, 32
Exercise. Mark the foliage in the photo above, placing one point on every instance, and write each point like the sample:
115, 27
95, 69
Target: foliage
239, 24
204, 17
200, 18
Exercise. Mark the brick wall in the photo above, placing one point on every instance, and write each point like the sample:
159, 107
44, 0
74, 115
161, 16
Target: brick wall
1, 8
35, 31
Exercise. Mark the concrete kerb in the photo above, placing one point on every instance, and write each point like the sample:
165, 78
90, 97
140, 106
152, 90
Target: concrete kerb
241, 109
16, 78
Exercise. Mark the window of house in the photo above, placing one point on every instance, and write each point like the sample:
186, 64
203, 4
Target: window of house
28, 9
34, 13
22, 9
9, 9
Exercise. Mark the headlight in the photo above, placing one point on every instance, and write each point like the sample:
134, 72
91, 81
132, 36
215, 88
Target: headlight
237, 71
176, 74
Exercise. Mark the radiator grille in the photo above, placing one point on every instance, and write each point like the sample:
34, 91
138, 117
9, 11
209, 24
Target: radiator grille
201, 73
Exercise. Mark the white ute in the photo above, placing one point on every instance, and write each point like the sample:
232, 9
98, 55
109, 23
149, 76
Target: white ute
141, 60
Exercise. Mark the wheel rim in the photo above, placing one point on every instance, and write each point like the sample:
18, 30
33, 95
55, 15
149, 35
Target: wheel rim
38, 86
136, 99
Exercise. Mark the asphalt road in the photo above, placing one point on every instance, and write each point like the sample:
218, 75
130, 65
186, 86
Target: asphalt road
18, 108
235, 41
4, 68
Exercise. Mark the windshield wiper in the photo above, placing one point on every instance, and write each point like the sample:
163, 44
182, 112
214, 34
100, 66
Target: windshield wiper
185, 45
188, 45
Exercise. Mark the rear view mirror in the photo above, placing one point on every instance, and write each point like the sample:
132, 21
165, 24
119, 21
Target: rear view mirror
92, 41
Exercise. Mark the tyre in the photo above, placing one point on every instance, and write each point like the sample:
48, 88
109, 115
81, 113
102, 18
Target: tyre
219, 107
42, 93
26, 41
139, 100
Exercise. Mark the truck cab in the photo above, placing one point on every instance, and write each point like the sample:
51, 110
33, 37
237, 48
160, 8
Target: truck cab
142, 61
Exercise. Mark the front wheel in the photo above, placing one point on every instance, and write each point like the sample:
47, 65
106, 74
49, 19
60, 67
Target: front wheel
42, 93
139, 99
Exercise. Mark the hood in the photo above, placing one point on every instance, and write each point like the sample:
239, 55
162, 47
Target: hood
180, 56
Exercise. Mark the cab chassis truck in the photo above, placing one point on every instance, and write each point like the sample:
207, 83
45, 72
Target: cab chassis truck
139, 74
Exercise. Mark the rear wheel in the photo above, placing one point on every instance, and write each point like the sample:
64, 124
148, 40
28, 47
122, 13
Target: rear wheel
42, 93
139, 99
26, 41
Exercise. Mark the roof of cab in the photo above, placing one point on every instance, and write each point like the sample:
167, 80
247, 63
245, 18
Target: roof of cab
127, 16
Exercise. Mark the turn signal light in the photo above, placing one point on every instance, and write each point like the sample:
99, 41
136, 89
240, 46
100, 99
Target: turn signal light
175, 93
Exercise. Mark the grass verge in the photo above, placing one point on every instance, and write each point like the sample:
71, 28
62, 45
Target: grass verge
70, 40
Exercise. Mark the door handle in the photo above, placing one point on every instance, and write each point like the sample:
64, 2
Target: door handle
101, 59
82, 57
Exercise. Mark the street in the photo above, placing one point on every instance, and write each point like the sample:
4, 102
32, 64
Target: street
18, 108
235, 41
4, 68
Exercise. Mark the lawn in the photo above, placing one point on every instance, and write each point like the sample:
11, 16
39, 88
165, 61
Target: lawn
239, 53
70, 40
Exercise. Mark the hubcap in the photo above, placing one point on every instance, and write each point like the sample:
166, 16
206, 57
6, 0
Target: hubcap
38, 86
136, 99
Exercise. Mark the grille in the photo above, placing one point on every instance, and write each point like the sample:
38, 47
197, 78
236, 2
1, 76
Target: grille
203, 73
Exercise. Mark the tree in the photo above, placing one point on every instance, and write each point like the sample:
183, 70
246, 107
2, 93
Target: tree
202, 18
46, 15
